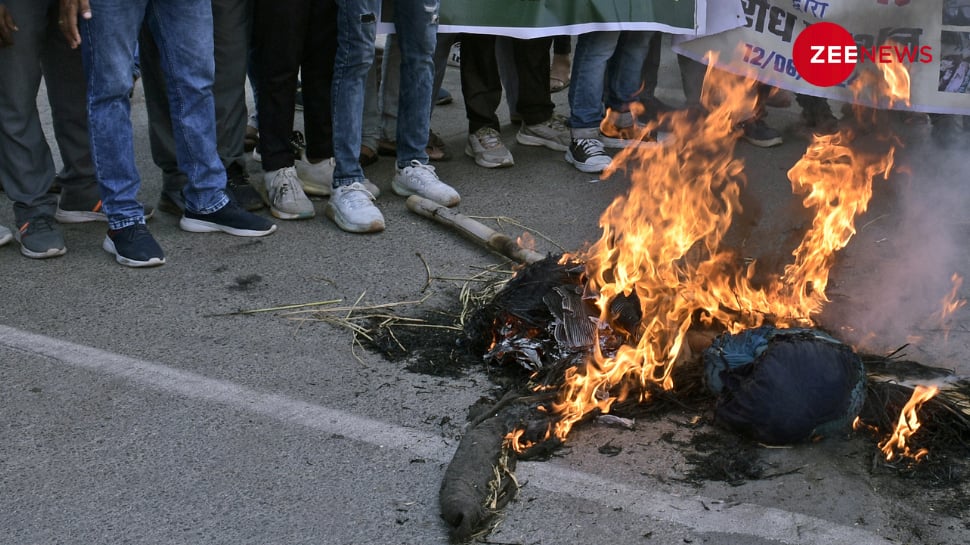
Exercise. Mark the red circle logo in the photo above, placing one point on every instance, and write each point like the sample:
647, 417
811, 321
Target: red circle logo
824, 54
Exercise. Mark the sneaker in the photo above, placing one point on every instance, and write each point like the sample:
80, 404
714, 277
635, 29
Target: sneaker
298, 99
40, 238
258, 157
84, 205
486, 147
420, 179
5, 235
317, 178
134, 246
285, 196
239, 188
551, 133
352, 208
171, 201
588, 155
231, 219
758, 133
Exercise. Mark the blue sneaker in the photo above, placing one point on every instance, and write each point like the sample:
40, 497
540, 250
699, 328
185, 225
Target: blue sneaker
231, 218
134, 246
40, 238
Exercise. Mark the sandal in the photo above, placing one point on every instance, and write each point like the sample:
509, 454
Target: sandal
367, 156
559, 73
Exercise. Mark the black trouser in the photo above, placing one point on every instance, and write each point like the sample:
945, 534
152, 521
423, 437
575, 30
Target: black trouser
482, 87
294, 38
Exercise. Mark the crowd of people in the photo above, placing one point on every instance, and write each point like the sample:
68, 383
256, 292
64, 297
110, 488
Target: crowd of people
194, 57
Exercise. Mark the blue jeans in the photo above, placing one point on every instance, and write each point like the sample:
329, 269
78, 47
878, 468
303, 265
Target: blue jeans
612, 60
416, 23
183, 32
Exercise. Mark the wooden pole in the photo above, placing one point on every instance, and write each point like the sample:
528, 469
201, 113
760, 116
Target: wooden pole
472, 229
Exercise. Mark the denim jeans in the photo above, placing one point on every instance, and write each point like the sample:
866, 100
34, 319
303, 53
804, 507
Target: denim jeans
416, 24
183, 32
610, 59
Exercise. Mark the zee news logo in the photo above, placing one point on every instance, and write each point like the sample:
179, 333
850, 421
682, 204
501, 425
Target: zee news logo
825, 54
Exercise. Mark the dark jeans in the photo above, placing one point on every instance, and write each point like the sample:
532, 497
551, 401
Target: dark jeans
482, 87
291, 38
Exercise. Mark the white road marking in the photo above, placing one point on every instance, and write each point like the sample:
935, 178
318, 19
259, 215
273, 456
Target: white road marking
694, 512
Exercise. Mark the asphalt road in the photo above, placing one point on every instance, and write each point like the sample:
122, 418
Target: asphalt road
134, 411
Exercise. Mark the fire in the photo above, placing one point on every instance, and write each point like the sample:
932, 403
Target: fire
662, 243
951, 303
907, 425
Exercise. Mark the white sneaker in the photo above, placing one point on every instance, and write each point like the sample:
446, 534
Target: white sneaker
5, 235
352, 208
551, 133
317, 178
486, 147
420, 179
256, 155
285, 195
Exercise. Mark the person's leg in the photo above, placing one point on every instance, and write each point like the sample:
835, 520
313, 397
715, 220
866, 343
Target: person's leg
590, 59
532, 65
183, 33
389, 92
623, 85
351, 205
26, 165
508, 74
417, 28
481, 88
108, 43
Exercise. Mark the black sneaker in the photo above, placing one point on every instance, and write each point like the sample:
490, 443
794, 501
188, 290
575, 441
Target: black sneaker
758, 133
588, 155
239, 188
40, 238
172, 202
231, 219
84, 205
134, 246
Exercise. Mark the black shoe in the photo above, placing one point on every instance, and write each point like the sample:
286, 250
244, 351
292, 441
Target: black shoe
40, 238
239, 188
444, 97
231, 219
134, 246
172, 202
758, 133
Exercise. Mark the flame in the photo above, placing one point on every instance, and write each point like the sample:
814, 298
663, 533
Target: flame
907, 425
951, 304
661, 244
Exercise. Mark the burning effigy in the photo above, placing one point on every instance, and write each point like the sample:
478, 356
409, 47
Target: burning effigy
660, 302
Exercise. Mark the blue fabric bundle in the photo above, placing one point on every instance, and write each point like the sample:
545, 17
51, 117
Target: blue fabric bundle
782, 386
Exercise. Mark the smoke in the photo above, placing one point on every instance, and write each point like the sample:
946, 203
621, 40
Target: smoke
891, 283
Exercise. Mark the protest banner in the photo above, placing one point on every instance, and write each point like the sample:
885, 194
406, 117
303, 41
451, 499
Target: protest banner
931, 37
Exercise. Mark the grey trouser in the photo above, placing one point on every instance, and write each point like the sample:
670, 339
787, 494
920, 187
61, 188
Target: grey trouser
26, 165
232, 23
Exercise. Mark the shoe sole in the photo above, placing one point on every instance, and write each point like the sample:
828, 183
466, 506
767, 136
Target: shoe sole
583, 167
277, 213
109, 246
86, 216
201, 226
50, 252
480, 161
331, 212
5, 239
769, 143
529, 140
402, 191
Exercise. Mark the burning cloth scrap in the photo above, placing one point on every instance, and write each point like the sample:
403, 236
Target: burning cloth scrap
781, 386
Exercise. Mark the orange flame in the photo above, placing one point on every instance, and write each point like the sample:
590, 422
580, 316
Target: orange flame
907, 425
662, 243
951, 304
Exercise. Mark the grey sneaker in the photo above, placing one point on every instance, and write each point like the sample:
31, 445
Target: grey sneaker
486, 147
551, 133
285, 196
420, 179
588, 155
352, 208
317, 178
5, 235
40, 238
